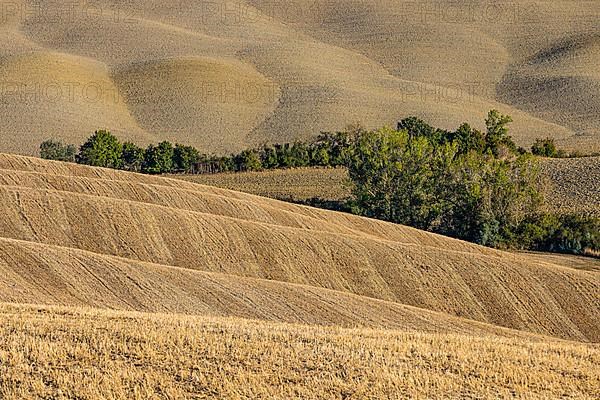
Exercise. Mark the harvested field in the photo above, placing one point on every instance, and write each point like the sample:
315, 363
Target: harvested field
574, 185
294, 185
51, 352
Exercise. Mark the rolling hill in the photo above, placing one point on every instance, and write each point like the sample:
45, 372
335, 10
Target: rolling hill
74, 235
223, 77
120, 285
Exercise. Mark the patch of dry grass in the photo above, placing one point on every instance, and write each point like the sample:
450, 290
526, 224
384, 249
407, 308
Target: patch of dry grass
63, 353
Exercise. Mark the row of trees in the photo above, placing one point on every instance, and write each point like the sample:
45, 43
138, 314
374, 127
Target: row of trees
103, 149
473, 185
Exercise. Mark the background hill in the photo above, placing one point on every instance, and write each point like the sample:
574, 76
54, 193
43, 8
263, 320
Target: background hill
223, 77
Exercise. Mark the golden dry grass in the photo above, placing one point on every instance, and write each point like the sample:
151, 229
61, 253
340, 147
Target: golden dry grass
67, 353
224, 77
87, 236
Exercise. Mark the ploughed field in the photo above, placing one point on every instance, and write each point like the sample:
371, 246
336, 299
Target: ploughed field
224, 77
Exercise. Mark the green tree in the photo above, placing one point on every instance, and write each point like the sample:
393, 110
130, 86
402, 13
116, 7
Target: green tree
102, 149
248, 160
57, 150
133, 157
268, 157
159, 159
545, 148
568, 233
394, 177
469, 139
420, 182
339, 145
319, 155
300, 155
184, 158
284, 155
491, 198
497, 133
416, 127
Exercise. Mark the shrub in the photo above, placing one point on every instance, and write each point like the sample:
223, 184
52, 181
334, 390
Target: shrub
58, 151
570, 233
544, 148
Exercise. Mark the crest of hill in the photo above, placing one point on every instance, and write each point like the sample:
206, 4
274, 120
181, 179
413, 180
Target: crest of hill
199, 229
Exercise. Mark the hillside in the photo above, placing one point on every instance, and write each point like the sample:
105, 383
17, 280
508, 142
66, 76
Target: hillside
574, 185
108, 238
57, 352
223, 77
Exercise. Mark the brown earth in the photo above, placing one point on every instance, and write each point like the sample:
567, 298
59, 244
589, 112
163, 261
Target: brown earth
225, 77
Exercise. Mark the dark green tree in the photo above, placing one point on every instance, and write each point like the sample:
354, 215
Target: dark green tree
468, 139
497, 137
102, 149
248, 160
133, 157
416, 127
159, 159
184, 158
299, 154
284, 155
268, 157
57, 150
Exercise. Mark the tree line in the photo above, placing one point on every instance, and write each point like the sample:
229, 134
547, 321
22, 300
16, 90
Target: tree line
465, 183
103, 149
